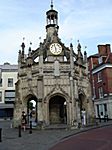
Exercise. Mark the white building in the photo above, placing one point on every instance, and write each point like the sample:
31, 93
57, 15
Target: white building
7, 89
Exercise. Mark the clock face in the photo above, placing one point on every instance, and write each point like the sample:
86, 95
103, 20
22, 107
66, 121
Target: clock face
55, 48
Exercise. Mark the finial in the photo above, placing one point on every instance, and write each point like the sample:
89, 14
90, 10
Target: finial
51, 4
29, 53
85, 47
23, 39
40, 39
85, 53
78, 41
79, 46
71, 45
23, 45
30, 46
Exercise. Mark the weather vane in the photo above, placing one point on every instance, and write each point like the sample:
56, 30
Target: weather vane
78, 41
71, 39
51, 4
23, 39
40, 39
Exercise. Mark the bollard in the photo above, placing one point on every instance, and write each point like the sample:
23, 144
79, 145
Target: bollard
99, 118
0, 134
105, 118
30, 131
19, 130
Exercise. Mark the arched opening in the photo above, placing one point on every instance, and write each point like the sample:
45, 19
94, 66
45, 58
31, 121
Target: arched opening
81, 101
57, 110
32, 110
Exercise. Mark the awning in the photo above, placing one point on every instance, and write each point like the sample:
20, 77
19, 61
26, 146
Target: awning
3, 106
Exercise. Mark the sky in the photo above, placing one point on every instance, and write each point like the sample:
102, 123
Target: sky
89, 21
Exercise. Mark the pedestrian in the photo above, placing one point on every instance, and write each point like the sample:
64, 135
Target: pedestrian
83, 117
23, 120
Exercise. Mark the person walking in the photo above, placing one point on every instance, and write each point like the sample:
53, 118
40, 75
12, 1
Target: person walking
23, 121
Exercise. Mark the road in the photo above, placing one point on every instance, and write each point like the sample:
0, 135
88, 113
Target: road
96, 139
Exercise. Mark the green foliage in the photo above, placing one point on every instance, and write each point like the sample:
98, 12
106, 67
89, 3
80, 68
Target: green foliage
30, 105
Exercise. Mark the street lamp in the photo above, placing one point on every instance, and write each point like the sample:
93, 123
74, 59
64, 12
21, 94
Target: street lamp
0, 73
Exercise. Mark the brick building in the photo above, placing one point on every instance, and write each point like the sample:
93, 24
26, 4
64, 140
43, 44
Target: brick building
100, 71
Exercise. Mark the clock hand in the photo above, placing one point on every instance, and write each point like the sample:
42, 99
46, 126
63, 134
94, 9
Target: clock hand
55, 48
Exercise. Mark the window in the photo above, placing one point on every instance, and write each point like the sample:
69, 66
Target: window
105, 107
0, 96
10, 82
100, 91
9, 95
100, 60
1, 82
99, 76
98, 113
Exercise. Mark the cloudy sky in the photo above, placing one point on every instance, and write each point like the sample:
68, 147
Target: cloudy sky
88, 21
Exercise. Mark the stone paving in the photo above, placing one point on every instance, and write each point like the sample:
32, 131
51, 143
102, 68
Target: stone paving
38, 140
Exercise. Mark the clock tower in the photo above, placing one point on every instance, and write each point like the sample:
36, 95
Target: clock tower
55, 77
55, 47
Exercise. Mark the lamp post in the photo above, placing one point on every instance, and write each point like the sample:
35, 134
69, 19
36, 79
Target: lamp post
0, 73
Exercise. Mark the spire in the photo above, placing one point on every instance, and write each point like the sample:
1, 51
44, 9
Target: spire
85, 55
29, 52
80, 56
23, 46
71, 45
79, 46
29, 61
52, 4
71, 60
21, 53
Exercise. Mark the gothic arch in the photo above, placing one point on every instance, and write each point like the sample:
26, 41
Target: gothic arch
30, 102
57, 109
49, 96
82, 99
29, 97
57, 103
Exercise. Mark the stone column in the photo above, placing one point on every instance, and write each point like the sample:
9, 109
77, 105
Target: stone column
72, 100
17, 113
46, 113
69, 114
77, 111
39, 110
40, 97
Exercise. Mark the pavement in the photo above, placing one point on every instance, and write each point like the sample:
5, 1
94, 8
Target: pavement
39, 139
